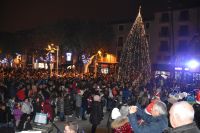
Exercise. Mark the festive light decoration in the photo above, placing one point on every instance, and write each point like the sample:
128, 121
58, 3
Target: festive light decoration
134, 63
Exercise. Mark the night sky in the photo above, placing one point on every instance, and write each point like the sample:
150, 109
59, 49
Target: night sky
26, 14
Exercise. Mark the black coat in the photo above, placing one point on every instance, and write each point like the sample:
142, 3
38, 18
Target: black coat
68, 105
190, 128
96, 114
196, 107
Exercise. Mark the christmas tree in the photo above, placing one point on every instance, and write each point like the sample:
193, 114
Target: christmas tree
134, 65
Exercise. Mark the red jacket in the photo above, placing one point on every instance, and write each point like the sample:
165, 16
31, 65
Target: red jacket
47, 109
21, 94
121, 125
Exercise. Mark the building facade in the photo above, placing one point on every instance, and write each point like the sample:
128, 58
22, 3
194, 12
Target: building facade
174, 40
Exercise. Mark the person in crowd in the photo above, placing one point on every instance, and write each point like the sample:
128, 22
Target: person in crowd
96, 114
11, 103
47, 109
71, 127
78, 104
196, 107
37, 107
84, 105
17, 112
60, 107
126, 93
21, 95
121, 123
27, 106
24, 123
6, 117
182, 118
3, 113
68, 101
154, 123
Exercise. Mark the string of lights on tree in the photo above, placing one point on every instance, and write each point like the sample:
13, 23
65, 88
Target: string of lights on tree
134, 63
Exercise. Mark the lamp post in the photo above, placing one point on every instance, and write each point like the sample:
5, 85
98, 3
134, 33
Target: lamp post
57, 59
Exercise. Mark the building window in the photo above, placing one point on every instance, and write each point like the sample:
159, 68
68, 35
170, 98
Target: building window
164, 46
120, 42
182, 46
184, 15
147, 25
164, 31
121, 27
183, 30
164, 17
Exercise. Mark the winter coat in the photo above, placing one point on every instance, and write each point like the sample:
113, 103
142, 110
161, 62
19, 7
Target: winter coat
27, 107
190, 128
196, 107
24, 123
151, 124
125, 94
37, 107
60, 105
17, 114
121, 125
21, 94
78, 100
68, 102
96, 114
47, 109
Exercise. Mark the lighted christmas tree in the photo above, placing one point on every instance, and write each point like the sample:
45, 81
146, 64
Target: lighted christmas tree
134, 63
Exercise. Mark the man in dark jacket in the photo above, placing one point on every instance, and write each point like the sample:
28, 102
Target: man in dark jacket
152, 124
196, 107
181, 118
96, 114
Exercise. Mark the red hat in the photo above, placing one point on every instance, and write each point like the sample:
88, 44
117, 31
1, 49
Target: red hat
149, 107
198, 97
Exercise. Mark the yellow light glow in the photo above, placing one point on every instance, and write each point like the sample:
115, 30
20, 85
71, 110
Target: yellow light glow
99, 52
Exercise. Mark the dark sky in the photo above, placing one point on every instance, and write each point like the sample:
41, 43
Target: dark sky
26, 14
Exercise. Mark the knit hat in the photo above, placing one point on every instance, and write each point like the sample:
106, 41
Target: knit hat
198, 97
115, 113
124, 110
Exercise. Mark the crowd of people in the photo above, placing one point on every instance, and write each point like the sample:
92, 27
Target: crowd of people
25, 92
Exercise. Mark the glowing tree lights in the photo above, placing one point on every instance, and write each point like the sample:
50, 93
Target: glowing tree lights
134, 63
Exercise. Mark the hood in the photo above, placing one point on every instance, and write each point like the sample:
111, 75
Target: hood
119, 122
